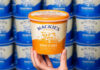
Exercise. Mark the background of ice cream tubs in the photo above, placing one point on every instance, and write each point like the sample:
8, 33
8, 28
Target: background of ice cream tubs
83, 33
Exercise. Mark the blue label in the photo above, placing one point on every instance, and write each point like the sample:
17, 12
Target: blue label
88, 58
55, 59
6, 56
5, 7
5, 30
87, 8
69, 37
64, 5
23, 31
13, 7
88, 31
24, 7
24, 58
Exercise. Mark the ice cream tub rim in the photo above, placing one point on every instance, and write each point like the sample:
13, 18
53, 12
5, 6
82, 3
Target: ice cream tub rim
83, 17
20, 17
8, 43
88, 44
69, 44
5, 17
19, 44
41, 16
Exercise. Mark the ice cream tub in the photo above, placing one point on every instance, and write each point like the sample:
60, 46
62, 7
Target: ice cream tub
69, 35
5, 30
87, 8
6, 56
24, 57
48, 29
22, 30
64, 5
55, 59
87, 30
24, 7
5, 7
88, 57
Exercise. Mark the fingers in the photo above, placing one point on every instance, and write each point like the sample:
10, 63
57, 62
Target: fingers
40, 64
33, 60
48, 61
32, 57
63, 62
36, 58
41, 59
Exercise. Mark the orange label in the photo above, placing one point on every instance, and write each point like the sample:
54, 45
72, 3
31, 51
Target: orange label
48, 47
48, 38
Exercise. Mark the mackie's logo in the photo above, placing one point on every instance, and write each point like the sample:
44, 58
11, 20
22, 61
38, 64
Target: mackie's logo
48, 27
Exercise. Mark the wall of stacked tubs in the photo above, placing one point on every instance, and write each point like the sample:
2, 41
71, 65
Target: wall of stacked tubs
82, 36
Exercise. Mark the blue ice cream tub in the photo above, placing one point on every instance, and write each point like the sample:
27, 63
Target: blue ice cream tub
22, 31
5, 7
87, 30
24, 7
6, 30
87, 8
69, 33
24, 57
55, 59
88, 57
6, 57
63, 5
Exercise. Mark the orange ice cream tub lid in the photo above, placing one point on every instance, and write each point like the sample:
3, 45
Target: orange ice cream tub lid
48, 16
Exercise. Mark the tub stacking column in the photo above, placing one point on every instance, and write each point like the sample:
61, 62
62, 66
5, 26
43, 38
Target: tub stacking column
87, 34
22, 32
6, 39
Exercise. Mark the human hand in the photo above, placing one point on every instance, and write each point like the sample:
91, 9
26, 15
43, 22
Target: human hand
46, 64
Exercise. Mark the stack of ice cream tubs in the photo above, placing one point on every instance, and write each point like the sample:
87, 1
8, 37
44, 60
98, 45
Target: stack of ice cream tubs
87, 35
6, 39
63, 5
22, 32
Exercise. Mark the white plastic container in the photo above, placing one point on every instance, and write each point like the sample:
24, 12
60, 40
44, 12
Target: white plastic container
24, 7
88, 30
6, 57
5, 30
87, 8
24, 57
64, 5
88, 57
22, 31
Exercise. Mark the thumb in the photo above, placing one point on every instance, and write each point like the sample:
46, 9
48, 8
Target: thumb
63, 61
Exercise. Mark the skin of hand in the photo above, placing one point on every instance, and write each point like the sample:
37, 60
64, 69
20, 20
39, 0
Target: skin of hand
46, 64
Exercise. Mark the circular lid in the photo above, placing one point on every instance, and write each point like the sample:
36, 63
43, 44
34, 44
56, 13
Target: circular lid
48, 15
